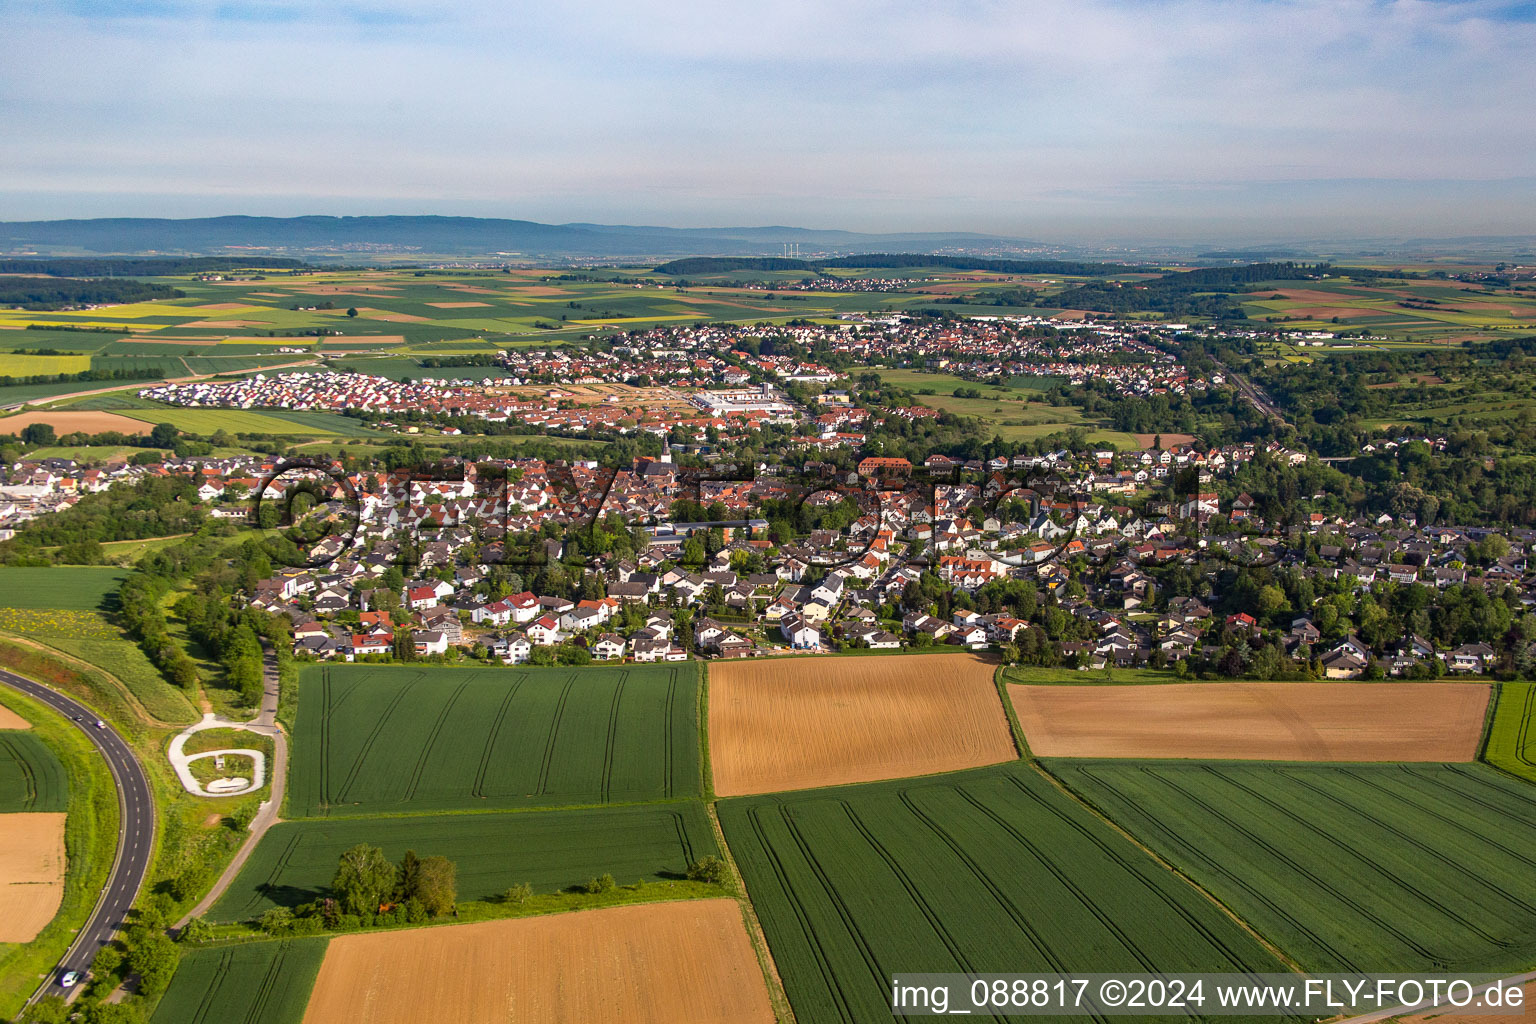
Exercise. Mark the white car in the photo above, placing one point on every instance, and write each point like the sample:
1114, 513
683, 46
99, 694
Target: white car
68, 979
100, 724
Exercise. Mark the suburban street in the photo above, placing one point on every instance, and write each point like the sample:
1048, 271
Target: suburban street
135, 836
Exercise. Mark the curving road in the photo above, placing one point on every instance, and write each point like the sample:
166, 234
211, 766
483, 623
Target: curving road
136, 833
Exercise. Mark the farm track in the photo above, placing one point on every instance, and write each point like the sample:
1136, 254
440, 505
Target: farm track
372, 738
437, 728
554, 735
613, 729
478, 789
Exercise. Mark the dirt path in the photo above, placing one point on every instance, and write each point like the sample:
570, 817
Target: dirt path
266, 724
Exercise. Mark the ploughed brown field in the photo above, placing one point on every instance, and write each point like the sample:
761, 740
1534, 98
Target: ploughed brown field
1256, 721
89, 420
798, 723
11, 720
31, 873
658, 963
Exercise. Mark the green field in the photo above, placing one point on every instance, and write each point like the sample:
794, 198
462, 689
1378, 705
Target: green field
550, 850
374, 740
254, 983
89, 636
987, 870
1512, 739
235, 421
1013, 411
31, 777
74, 587
1373, 868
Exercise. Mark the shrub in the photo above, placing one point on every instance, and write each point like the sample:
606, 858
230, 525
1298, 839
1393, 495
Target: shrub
517, 895
602, 883
276, 921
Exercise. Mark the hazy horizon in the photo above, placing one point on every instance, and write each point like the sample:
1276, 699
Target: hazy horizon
1179, 120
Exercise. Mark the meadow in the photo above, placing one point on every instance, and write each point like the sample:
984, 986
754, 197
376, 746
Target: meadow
1512, 738
254, 983
88, 635
31, 778
400, 739
79, 588
549, 850
1015, 412
960, 873
1344, 867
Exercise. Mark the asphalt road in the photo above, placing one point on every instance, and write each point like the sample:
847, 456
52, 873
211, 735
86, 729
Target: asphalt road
135, 838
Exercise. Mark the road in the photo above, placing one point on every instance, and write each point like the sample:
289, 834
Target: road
136, 833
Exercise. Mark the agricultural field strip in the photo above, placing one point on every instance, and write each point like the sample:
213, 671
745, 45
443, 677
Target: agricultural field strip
376, 740
997, 869
255, 983
1345, 868
1511, 739
549, 849
31, 777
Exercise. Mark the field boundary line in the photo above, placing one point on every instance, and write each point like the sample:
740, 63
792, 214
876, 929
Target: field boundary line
1279, 954
1020, 741
778, 997
1495, 695
706, 770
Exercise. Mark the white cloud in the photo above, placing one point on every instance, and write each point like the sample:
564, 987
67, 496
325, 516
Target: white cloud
889, 111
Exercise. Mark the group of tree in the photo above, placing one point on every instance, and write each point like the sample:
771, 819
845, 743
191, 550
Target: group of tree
368, 890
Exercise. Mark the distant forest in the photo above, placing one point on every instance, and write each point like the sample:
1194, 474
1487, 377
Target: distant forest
58, 292
893, 261
1202, 293
95, 267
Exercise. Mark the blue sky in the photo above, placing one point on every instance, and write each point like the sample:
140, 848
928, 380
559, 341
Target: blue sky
1170, 119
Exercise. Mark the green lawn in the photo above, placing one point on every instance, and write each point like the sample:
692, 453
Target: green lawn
550, 850
401, 739
1371, 868
986, 870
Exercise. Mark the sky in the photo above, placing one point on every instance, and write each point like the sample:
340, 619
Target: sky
1085, 120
